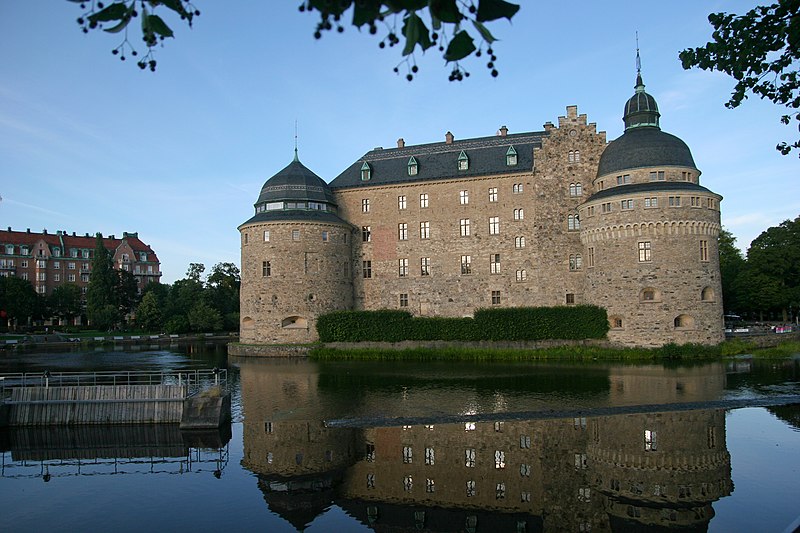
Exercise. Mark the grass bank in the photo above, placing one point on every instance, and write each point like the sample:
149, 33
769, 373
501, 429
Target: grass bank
669, 352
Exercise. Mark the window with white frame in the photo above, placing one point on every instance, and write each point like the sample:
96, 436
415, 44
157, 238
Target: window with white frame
674, 201
425, 266
494, 263
624, 179
650, 442
492, 194
575, 189
423, 200
626, 204
469, 457
424, 230
463, 161
463, 197
266, 269
401, 202
266, 235
519, 242
430, 456
466, 264
575, 262
511, 157
366, 233
522, 275
402, 231
365, 205
413, 167
494, 225
573, 223
657, 175
516, 188
519, 214
464, 227
651, 201
645, 251
402, 267
366, 172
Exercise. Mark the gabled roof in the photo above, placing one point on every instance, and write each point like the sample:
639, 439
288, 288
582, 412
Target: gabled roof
66, 241
439, 161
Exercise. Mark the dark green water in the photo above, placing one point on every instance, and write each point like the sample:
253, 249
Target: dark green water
433, 447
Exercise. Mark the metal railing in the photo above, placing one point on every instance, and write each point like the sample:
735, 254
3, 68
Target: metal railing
196, 380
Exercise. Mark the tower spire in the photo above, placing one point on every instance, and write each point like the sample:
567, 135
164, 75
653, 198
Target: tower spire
296, 158
639, 82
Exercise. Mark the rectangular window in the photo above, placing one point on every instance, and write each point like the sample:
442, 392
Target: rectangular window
605, 208
365, 205
402, 231
650, 443
402, 267
695, 201
590, 257
590, 211
657, 175
429, 485
524, 442
85, 277
73, 252
401, 202
366, 234
42, 276
324, 236
266, 235
295, 234
494, 225
56, 277
430, 456
466, 264
519, 214
674, 201
425, 266
494, 263
495, 297
23, 264
423, 200
492, 194
626, 204
464, 225
519, 242
404, 299
366, 267
424, 230
644, 251
266, 269
569, 298
522, 275
85, 254
469, 457
71, 277
85, 267
624, 179
408, 455
463, 197
651, 202
703, 250
687, 176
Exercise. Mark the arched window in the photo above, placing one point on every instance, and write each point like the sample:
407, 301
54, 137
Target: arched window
294, 322
575, 262
511, 157
683, 322
413, 167
573, 223
649, 294
248, 323
366, 172
463, 161
707, 294
575, 189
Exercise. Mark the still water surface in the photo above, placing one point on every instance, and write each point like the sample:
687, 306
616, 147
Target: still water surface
431, 446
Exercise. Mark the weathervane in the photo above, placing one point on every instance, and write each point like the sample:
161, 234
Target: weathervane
295, 141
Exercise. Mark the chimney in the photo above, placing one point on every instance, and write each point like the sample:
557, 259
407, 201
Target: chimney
29, 230
548, 126
9, 228
73, 233
44, 231
401, 143
448, 138
86, 234
503, 131
111, 237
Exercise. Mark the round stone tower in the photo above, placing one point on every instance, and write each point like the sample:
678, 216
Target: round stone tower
650, 237
296, 258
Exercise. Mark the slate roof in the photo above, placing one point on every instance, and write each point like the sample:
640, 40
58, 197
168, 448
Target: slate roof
295, 215
644, 147
439, 161
295, 182
654, 186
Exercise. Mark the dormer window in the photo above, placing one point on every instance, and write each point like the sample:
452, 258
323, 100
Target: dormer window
366, 172
511, 157
413, 167
463, 161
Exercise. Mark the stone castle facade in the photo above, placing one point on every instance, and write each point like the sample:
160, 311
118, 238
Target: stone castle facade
546, 218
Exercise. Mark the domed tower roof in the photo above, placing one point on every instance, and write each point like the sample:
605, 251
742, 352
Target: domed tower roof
295, 193
643, 144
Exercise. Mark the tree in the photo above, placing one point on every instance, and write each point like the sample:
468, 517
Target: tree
19, 302
100, 292
203, 317
148, 313
760, 50
65, 301
126, 292
449, 25
223, 286
731, 265
773, 267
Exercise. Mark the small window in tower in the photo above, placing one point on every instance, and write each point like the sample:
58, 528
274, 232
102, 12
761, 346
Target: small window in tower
413, 167
463, 161
295, 234
366, 172
511, 156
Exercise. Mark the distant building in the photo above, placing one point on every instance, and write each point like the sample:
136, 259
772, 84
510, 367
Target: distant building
48, 260
545, 218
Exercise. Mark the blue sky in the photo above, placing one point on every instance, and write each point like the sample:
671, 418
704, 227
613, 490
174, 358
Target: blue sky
88, 143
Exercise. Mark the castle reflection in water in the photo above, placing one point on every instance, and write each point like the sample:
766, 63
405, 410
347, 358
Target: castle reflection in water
629, 472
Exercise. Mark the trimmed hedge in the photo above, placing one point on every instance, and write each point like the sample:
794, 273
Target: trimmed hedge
507, 324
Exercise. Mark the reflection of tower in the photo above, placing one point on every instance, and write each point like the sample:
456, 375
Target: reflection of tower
650, 236
651, 384
296, 256
660, 470
299, 462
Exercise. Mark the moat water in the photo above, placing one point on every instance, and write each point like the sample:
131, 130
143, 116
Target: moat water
357, 446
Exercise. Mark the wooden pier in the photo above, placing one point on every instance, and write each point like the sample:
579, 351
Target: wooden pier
194, 399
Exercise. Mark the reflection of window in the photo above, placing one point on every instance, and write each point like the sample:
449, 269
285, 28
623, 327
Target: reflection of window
469, 455
407, 454
499, 459
430, 456
650, 443
524, 441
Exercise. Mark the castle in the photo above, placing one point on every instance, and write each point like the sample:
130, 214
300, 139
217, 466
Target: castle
545, 218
